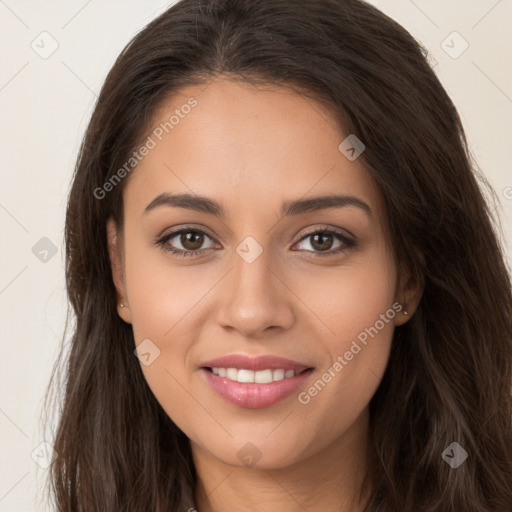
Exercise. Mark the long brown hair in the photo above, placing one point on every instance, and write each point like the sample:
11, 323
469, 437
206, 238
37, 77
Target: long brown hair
449, 377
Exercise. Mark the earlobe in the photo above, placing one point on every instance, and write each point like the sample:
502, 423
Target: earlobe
403, 315
124, 312
116, 264
410, 295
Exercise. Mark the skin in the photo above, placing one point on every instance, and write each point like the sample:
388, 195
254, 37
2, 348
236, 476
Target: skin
251, 149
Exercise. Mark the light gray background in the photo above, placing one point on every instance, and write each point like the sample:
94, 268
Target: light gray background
45, 105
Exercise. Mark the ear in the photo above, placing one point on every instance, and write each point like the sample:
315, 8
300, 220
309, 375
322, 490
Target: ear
115, 250
408, 294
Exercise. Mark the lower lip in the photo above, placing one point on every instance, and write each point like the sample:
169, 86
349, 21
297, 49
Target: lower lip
252, 395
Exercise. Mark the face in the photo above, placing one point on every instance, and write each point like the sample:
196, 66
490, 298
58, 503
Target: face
260, 272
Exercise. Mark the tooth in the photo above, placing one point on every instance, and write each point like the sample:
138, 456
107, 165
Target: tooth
248, 376
232, 373
263, 376
245, 376
278, 375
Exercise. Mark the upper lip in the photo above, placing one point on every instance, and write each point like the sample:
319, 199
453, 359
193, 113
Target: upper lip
264, 362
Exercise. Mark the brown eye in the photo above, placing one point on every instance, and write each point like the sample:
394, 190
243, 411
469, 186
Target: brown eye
185, 242
322, 242
191, 240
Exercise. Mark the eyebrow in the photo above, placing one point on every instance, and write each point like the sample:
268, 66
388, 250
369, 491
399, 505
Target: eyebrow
205, 205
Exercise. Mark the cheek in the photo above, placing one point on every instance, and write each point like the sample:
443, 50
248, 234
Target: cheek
357, 358
356, 317
164, 302
162, 295
349, 298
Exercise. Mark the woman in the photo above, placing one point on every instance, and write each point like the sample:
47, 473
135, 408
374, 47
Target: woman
288, 289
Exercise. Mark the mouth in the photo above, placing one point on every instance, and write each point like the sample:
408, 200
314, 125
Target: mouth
254, 382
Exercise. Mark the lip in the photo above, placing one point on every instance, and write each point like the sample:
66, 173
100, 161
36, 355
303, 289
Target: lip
264, 362
252, 395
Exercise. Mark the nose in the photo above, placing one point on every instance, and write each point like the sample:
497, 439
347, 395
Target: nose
255, 298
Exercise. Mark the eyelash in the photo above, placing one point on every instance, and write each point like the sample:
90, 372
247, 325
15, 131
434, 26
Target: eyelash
348, 242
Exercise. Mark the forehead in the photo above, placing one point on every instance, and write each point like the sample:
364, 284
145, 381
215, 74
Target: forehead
246, 146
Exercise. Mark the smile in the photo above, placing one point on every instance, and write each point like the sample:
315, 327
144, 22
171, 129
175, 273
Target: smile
240, 387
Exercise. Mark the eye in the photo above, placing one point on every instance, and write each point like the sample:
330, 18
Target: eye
322, 240
190, 239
